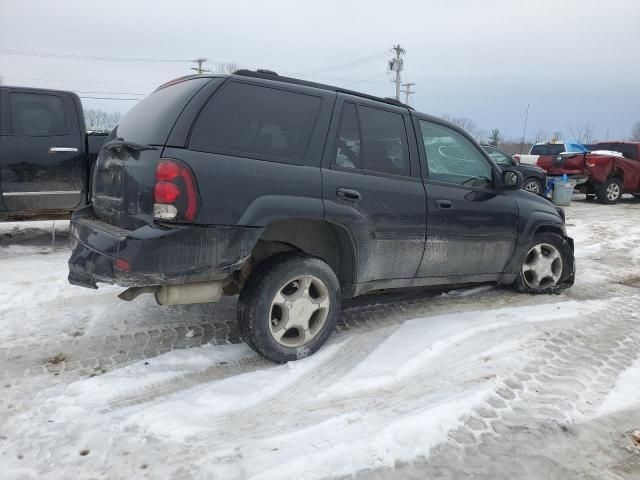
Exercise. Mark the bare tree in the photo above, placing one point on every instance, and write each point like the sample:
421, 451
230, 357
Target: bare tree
635, 132
100, 120
466, 124
226, 67
583, 134
541, 136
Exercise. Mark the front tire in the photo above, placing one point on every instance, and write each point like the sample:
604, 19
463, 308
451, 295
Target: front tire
289, 307
533, 185
610, 191
548, 265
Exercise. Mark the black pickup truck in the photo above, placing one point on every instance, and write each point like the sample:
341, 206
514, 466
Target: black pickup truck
46, 154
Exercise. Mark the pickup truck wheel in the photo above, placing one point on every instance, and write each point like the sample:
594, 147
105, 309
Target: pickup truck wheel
289, 307
532, 185
610, 191
549, 262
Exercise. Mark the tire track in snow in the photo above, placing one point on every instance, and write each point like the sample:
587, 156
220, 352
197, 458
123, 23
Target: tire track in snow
356, 348
568, 381
94, 355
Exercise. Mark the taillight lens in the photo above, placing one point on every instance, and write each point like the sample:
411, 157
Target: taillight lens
175, 194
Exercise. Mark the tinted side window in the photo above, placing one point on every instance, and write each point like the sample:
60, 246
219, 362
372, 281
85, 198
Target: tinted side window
256, 121
384, 141
37, 115
348, 141
452, 158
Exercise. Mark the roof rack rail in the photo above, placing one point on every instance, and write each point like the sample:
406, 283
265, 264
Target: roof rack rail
270, 74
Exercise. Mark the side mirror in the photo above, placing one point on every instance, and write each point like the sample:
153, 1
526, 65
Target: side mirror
512, 179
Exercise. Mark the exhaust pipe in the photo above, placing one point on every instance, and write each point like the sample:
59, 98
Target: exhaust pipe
205, 292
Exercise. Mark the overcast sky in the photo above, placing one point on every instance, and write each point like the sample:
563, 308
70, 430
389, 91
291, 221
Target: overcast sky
574, 62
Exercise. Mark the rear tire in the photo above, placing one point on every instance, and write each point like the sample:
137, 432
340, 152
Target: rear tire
610, 191
549, 264
289, 307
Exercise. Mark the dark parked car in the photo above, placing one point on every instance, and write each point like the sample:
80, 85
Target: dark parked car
535, 178
45, 154
295, 195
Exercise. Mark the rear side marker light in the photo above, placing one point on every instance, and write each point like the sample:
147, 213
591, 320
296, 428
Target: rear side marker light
122, 265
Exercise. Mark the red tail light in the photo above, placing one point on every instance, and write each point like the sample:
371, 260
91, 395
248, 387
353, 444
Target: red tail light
175, 194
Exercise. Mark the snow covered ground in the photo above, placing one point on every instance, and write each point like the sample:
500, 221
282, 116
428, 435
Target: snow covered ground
481, 382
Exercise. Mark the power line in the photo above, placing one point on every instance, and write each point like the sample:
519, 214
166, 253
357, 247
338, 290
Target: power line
113, 98
83, 81
73, 56
346, 65
364, 80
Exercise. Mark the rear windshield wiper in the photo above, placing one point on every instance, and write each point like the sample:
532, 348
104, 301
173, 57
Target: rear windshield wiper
123, 147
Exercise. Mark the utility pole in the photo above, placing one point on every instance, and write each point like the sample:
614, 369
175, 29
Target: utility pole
526, 117
408, 91
199, 69
396, 66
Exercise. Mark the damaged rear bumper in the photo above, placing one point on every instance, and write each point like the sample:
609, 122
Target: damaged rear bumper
154, 255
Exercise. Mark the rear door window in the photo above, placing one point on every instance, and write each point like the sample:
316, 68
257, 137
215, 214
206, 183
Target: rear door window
348, 141
384, 141
37, 115
257, 122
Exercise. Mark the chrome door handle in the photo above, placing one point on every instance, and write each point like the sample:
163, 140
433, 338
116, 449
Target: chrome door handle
62, 149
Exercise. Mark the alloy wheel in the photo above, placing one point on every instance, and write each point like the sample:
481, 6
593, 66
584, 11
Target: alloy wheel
542, 267
532, 186
299, 311
613, 191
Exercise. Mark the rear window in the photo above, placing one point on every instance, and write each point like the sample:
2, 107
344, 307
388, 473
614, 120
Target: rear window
151, 120
628, 151
257, 122
547, 149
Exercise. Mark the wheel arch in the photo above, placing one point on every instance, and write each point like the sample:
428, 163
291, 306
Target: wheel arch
318, 238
